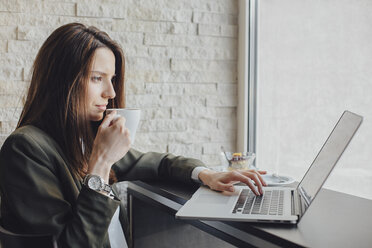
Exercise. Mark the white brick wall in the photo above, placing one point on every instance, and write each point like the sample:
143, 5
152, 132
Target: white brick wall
181, 58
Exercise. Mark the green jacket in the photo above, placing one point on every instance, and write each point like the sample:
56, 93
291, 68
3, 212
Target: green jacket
40, 195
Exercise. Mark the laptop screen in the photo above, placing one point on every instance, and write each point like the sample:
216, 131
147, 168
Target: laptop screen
328, 156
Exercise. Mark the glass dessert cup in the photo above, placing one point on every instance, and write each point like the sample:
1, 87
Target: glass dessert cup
240, 160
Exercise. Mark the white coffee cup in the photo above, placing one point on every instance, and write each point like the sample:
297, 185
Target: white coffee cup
132, 117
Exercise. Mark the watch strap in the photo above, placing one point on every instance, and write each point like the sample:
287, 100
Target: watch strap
103, 187
106, 188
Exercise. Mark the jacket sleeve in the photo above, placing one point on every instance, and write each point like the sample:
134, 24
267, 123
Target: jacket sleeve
34, 201
155, 166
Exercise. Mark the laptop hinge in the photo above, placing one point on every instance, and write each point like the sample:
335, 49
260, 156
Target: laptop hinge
304, 195
296, 203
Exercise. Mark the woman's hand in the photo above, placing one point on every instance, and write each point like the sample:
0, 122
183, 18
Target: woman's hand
112, 142
224, 181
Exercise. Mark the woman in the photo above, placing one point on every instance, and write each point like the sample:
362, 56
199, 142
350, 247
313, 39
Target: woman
55, 166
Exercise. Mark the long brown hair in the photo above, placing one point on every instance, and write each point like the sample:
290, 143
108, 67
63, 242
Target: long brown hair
56, 97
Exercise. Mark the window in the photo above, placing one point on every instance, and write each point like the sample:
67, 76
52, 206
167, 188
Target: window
313, 61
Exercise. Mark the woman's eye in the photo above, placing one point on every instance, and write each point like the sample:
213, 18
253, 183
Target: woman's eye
96, 79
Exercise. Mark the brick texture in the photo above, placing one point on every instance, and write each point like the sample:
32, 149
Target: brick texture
181, 63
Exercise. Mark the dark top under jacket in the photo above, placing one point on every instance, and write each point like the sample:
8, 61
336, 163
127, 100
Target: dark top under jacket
40, 194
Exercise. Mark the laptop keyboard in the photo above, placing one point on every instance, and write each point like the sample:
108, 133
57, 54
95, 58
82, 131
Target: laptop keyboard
270, 203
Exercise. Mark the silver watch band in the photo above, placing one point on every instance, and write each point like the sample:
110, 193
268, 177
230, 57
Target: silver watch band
106, 188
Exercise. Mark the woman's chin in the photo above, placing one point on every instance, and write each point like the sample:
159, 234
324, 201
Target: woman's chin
97, 117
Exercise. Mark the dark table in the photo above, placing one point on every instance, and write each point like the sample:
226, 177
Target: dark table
333, 220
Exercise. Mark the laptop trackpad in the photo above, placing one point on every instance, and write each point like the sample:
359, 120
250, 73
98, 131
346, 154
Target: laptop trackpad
211, 199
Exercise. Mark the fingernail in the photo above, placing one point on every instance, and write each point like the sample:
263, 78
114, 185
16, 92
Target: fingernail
231, 189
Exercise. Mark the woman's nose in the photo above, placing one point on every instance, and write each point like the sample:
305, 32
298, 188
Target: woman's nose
109, 91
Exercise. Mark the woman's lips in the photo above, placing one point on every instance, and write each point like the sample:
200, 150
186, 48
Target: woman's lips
101, 107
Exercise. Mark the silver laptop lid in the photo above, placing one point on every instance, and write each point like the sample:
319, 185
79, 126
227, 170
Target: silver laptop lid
327, 158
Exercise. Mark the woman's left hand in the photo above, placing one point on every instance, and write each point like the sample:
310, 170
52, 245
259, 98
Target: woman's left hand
224, 181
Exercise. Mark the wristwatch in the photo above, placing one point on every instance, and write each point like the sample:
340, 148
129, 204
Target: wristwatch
96, 183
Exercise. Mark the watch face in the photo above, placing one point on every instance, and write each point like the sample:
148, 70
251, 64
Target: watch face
95, 183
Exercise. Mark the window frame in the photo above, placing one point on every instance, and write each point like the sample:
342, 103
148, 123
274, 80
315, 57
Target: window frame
247, 76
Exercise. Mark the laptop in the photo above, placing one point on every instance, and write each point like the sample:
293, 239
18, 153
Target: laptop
277, 204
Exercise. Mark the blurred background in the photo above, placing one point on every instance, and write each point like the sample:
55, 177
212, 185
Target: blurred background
181, 65
314, 60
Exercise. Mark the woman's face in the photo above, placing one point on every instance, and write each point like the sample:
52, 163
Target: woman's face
100, 88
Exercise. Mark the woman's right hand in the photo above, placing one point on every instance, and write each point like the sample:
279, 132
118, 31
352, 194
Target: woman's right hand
112, 142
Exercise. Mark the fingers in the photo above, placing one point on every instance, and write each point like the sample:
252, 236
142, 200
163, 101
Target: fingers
119, 122
257, 174
262, 172
261, 178
115, 124
224, 187
247, 180
108, 118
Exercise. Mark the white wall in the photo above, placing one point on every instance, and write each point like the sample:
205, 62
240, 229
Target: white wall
181, 58
314, 61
